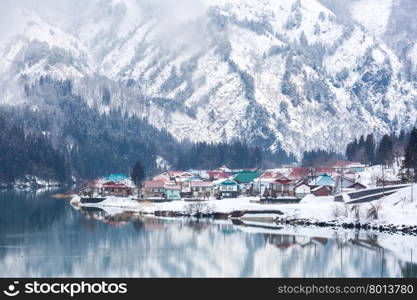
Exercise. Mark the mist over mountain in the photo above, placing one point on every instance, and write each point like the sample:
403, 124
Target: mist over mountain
297, 75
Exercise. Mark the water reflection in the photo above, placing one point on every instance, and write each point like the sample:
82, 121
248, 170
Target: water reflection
41, 236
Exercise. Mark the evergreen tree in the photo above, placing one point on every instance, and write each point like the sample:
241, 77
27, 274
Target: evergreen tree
138, 174
351, 150
409, 166
385, 154
370, 149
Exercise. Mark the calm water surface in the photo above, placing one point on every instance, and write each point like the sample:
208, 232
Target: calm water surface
41, 236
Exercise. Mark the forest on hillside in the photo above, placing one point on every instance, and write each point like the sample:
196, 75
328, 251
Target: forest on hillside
70, 138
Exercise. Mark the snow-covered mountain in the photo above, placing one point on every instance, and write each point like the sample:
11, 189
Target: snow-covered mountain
302, 74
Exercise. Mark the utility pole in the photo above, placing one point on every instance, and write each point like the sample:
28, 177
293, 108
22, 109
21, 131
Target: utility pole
383, 180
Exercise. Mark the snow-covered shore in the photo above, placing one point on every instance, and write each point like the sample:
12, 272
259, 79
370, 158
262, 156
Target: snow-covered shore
397, 211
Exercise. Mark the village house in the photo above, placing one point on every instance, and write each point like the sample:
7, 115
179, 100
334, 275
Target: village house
301, 189
153, 189
322, 180
186, 191
330, 171
342, 183
201, 189
179, 176
281, 188
172, 192
341, 166
245, 180
216, 175
323, 190
90, 188
356, 167
115, 189
161, 177
262, 182
116, 177
227, 189
357, 186
301, 173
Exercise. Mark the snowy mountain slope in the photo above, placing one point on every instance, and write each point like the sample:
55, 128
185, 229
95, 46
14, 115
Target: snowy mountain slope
284, 73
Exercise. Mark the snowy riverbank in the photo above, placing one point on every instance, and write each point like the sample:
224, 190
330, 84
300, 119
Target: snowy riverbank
395, 212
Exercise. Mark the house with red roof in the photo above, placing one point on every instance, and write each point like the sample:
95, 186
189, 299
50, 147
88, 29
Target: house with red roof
217, 174
154, 189
262, 183
282, 187
300, 173
116, 189
323, 190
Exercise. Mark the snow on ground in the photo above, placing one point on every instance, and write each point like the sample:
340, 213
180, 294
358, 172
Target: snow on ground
369, 176
397, 209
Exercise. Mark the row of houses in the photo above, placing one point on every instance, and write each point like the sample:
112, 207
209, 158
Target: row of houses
113, 185
289, 181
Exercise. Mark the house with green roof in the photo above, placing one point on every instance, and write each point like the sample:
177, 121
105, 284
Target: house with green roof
228, 188
116, 177
245, 179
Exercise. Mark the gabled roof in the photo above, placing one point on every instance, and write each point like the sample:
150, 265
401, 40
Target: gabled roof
300, 183
112, 184
284, 181
328, 170
154, 184
324, 180
246, 176
299, 172
326, 187
271, 175
357, 184
228, 182
116, 177
172, 187
217, 174
179, 174
201, 183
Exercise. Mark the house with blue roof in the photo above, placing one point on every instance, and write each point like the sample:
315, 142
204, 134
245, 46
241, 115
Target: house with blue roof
323, 180
116, 177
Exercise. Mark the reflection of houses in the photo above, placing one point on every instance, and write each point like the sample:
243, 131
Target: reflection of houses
284, 241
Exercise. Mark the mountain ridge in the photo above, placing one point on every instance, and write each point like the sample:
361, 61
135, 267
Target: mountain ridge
285, 74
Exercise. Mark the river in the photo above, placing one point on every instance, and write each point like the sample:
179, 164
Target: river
45, 237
